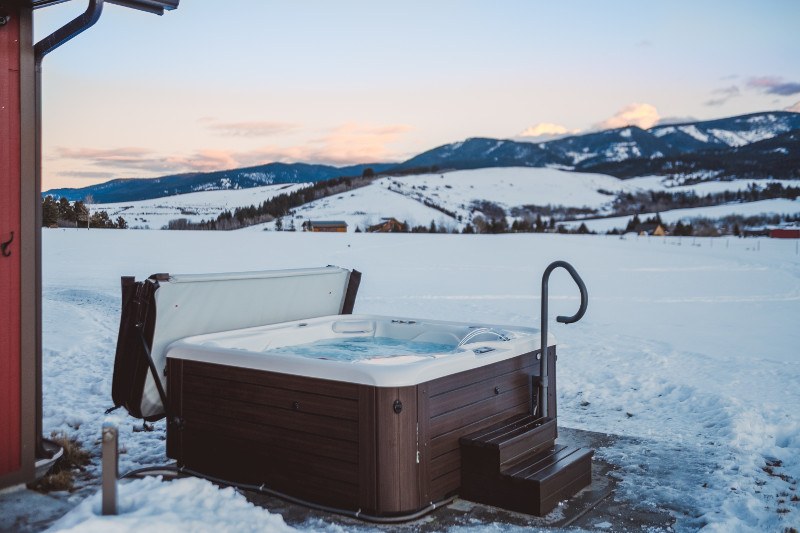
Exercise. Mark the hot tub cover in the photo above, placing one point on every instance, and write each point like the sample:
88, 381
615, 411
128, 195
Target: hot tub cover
164, 308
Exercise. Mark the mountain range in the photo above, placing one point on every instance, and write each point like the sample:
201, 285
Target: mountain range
747, 146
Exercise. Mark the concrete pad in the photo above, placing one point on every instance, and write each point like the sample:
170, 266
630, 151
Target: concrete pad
25, 511
593, 508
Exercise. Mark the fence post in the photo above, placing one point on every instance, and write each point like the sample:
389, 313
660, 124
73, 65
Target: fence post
110, 468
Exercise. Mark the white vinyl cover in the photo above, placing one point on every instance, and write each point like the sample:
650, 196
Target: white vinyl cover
189, 305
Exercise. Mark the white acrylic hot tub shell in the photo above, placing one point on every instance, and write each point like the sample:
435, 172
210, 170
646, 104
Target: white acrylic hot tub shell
245, 348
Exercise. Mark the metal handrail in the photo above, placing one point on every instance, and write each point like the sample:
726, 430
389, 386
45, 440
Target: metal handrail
544, 378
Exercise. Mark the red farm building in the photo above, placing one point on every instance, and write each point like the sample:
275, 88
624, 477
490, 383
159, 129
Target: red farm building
785, 233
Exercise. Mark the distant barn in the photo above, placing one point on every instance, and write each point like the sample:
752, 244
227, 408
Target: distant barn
388, 225
784, 233
334, 226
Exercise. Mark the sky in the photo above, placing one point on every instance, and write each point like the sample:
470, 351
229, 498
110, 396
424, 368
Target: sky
217, 85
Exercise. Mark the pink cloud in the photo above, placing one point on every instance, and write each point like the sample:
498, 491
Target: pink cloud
136, 158
252, 128
204, 161
795, 108
547, 130
642, 115
774, 85
347, 144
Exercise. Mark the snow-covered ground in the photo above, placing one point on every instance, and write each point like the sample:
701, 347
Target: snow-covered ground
660, 183
363, 207
509, 187
691, 348
196, 206
775, 206
405, 198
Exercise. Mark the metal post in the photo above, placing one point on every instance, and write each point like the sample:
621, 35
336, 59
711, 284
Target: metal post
110, 468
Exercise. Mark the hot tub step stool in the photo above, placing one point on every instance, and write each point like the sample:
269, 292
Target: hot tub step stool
516, 465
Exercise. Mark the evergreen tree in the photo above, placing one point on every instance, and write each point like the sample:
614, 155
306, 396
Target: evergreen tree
468, 229
432, 227
121, 223
539, 224
49, 212
99, 219
65, 210
279, 224
582, 229
81, 213
633, 224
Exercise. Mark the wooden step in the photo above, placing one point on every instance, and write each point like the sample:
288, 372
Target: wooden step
516, 464
503, 443
533, 485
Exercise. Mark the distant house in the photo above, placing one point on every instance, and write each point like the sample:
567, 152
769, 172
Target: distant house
652, 228
755, 232
388, 225
334, 226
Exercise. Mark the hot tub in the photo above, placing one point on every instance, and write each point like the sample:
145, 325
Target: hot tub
373, 429
267, 379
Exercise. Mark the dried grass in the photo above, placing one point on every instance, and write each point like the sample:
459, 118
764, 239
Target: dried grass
62, 476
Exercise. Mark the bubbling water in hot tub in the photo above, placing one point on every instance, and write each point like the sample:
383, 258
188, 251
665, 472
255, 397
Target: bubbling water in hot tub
364, 348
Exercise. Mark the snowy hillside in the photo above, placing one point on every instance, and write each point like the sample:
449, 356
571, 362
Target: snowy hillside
449, 199
409, 198
689, 350
776, 206
363, 207
508, 187
196, 206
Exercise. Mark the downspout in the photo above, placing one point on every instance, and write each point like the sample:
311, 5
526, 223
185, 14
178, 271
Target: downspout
73, 28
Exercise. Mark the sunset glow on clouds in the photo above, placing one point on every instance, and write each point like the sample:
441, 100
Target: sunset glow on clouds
347, 144
642, 115
547, 130
382, 82
250, 129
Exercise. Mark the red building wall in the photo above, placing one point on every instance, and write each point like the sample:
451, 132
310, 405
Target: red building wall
10, 369
785, 233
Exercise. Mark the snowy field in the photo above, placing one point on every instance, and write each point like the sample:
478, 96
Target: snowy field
194, 207
774, 206
405, 198
693, 348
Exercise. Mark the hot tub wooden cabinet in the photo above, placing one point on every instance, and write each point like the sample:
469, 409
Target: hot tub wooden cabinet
384, 451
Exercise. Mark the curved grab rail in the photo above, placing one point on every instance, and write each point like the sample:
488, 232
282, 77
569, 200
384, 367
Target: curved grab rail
544, 378
480, 331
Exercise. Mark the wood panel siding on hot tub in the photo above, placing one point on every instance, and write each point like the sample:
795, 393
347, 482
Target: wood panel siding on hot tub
384, 450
